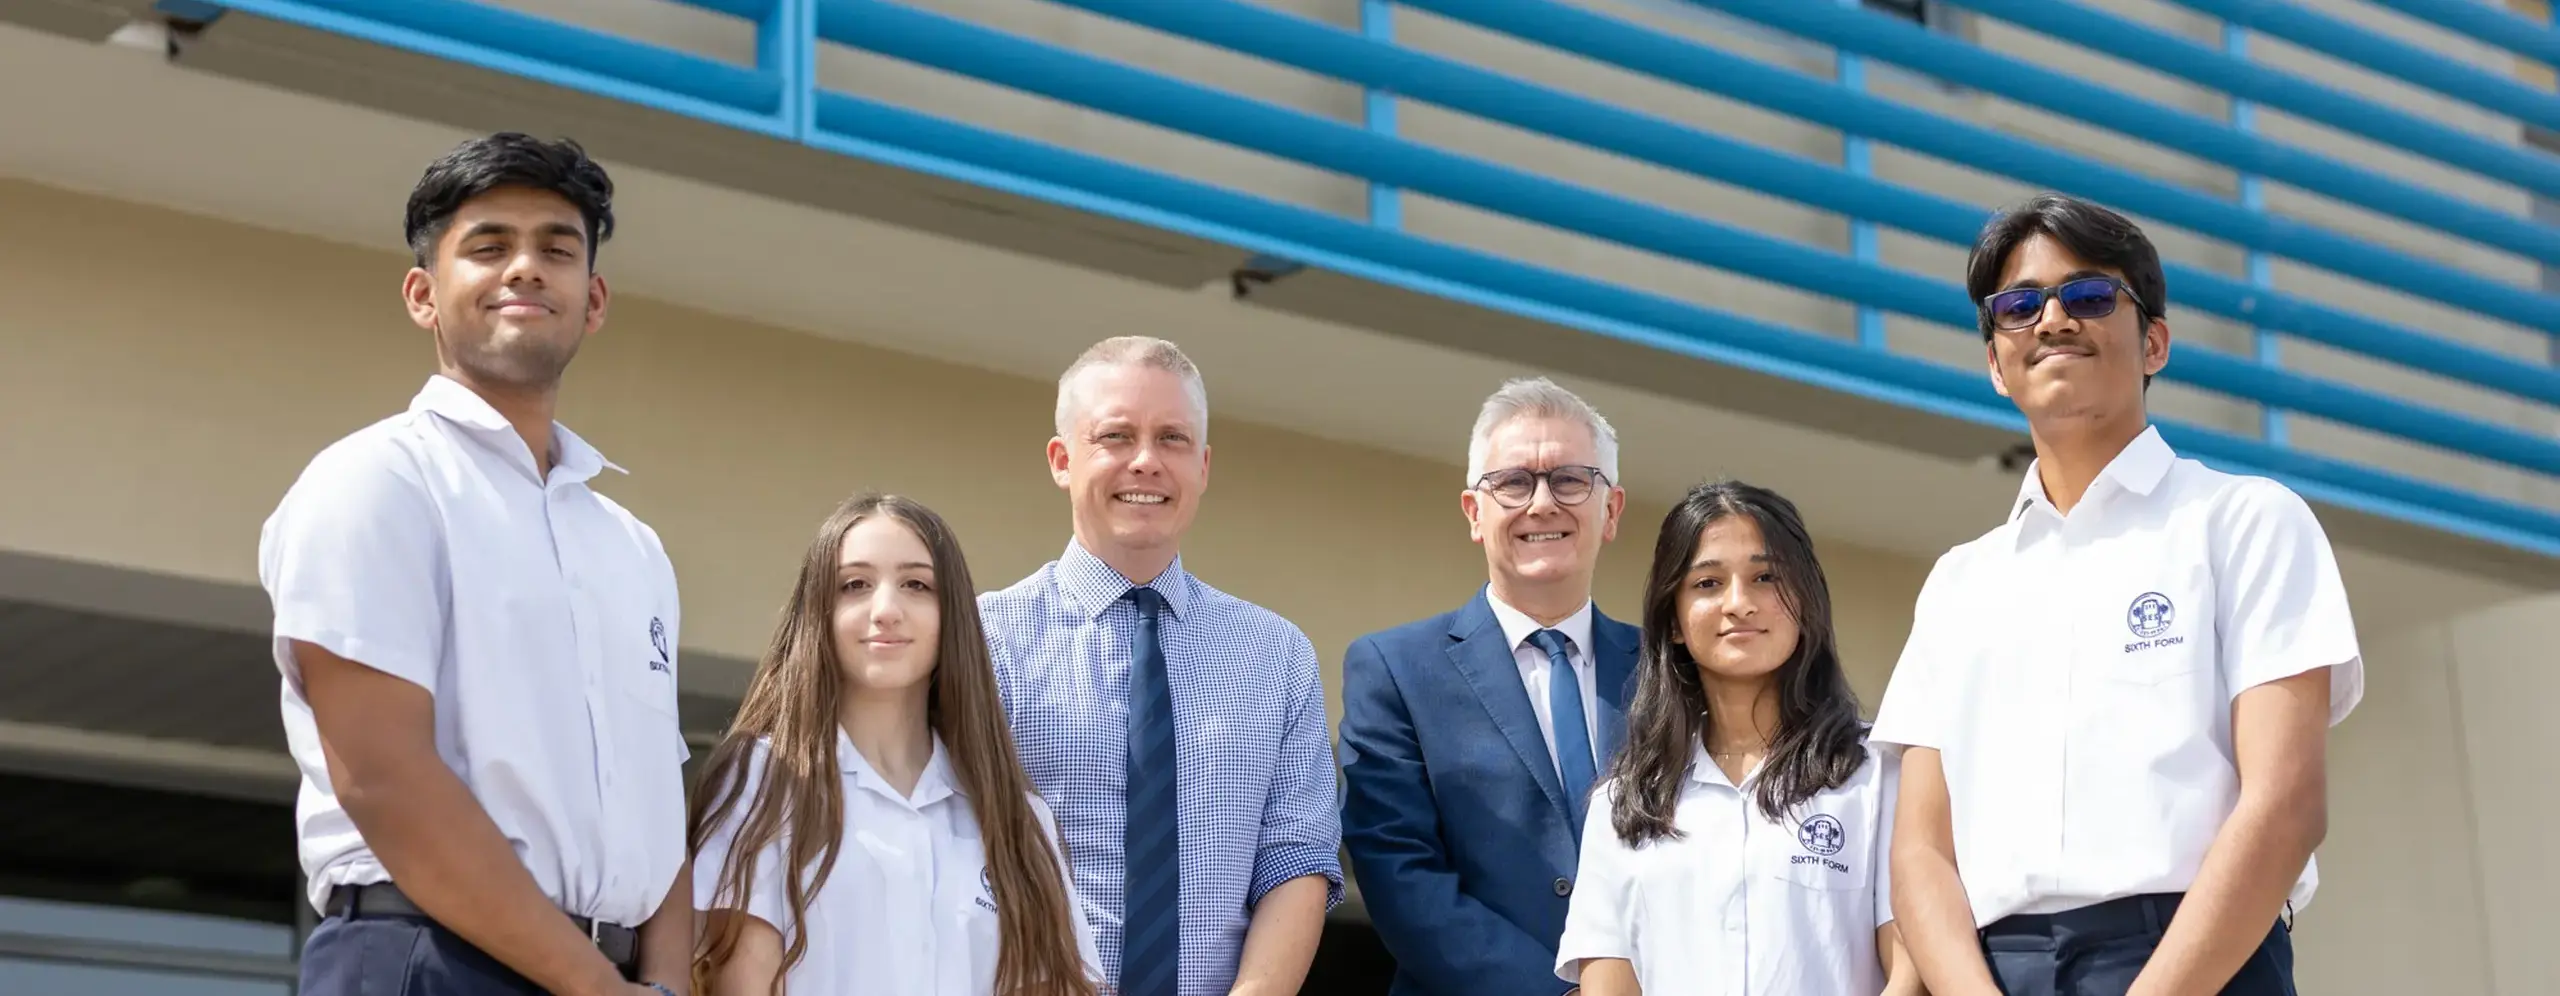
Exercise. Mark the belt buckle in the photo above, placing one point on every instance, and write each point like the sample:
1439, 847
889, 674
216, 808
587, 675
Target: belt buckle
595, 931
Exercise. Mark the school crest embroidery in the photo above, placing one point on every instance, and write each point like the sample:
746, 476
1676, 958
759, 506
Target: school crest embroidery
1822, 835
2150, 614
658, 641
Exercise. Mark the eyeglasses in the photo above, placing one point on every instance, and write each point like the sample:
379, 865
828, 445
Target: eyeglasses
2084, 298
1516, 486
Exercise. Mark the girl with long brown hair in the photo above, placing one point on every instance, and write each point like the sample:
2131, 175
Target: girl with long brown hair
1740, 843
865, 827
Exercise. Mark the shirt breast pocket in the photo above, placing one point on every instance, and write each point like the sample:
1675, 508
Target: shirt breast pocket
2166, 636
971, 932
1826, 852
641, 655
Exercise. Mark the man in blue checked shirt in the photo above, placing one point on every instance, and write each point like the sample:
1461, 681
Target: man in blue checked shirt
1178, 732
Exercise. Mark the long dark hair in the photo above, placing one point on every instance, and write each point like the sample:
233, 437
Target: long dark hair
1820, 738
792, 702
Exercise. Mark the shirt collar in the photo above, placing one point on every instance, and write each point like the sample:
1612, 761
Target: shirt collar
934, 784
1094, 585
448, 399
1704, 771
1517, 626
2137, 469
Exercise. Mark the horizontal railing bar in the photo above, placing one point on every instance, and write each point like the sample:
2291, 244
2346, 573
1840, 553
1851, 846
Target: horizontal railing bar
542, 39
1322, 48
2141, 44
975, 50
1401, 259
2389, 56
1917, 48
753, 10
2483, 22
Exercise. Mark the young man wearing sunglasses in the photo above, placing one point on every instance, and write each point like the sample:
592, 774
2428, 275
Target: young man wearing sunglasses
1471, 739
2114, 706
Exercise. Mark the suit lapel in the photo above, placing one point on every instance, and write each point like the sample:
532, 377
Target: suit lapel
1482, 655
1614, 655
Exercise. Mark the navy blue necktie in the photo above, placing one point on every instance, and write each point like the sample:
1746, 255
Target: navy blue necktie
1573, 733
1151, 933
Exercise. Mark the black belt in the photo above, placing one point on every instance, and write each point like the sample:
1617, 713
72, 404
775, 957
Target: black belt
2128, 916
620, 944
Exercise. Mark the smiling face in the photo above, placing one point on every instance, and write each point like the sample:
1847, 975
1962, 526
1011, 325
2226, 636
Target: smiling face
509, 292
887, 621
1732, 612
1133, 461
1545, 542
2062, 368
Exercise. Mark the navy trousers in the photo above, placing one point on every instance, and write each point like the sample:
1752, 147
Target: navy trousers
401, 956
2097, 950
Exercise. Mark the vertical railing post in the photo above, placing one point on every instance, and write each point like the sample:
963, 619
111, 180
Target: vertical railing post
1378, 112
787, 46
1858, 157
2551, 13
2244, 117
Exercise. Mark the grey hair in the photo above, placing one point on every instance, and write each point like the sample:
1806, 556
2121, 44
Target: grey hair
1526, 397
1138, 351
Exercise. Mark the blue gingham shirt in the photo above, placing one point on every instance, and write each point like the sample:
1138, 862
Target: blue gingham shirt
1253, 759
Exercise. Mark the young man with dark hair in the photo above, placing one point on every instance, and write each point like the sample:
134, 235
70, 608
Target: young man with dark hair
2114, 706
478, 651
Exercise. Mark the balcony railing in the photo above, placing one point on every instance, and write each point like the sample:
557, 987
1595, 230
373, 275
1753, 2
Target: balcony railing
779, 95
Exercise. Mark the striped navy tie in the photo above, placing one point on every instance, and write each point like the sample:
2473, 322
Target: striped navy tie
1151, 938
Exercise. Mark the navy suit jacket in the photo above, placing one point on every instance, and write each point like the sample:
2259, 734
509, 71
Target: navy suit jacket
1452, 811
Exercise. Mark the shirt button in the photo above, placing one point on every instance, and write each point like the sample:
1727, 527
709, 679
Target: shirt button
1564, 887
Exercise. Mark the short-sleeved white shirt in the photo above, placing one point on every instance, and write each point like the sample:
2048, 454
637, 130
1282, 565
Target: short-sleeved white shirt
541, 615
1741, 905
2076, 675
909, 909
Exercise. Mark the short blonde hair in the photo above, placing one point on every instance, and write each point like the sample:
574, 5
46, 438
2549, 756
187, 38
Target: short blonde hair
1137, 351
1525, 397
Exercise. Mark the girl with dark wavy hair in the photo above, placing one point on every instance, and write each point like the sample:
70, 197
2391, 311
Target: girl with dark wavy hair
1739, 845
865, 828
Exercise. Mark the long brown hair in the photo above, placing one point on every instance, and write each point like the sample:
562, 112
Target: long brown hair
1819, 742
792, 702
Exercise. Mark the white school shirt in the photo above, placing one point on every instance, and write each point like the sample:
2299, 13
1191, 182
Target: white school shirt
542, 617
2076, 675
909, 909
1536, 671
1739, 904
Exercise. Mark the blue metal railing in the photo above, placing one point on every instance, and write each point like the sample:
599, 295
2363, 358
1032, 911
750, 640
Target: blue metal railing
1857, 156
1917, 48
778, 96
2485, 23
2078, 23
959, 46
1820, 101
2386, 55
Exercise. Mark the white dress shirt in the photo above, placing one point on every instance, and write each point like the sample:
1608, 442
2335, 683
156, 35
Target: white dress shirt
1739, 904
909, 909
2076, 675
1536, 672
541, 616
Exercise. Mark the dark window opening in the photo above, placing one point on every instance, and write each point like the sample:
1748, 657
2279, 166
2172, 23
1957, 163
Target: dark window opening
1914, 11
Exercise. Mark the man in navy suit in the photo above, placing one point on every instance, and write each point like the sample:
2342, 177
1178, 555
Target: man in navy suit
1470, 740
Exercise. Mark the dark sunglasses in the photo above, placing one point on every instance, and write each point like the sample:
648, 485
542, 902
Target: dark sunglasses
1516, 486
2083, 298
